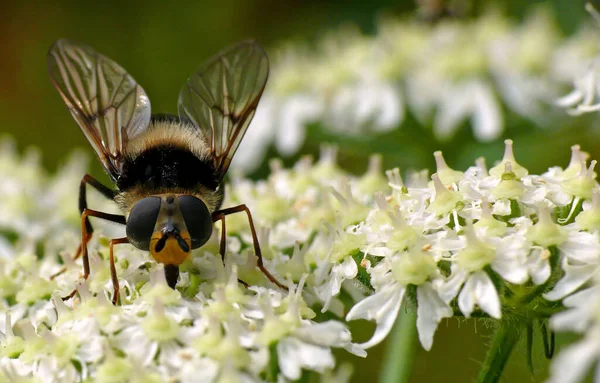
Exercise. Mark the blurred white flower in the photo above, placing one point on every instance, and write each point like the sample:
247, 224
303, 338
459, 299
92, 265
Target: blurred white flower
584, 98
445, 74
582, 316
364, 106
474, 99
579, 62
521, 62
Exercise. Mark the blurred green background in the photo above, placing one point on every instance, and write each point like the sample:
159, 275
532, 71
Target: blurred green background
161, 43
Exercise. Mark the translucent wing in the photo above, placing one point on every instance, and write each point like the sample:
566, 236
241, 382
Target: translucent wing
107, 103
221, 98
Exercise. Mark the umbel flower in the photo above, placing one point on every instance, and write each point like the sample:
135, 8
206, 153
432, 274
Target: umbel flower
499, 243
442, 74
584, 97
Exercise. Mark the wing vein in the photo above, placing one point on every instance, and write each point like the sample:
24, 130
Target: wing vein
105, 101
221, 97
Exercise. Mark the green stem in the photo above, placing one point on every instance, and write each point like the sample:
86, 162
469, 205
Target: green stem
504, 341
400, 352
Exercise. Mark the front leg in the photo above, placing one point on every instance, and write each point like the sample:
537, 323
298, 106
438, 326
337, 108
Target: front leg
106, 192
223, 245
85, 236
113, 269
220, 215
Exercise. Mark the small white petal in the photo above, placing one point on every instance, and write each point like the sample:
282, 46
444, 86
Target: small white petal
391, 108
430, 311
330, 333
450, 289
573, 362
339, 273
576, 320
582, 246
295, 114
570, 99
92, 350
538, 267
510, 260
581, 313
455, 106
290, 366
523, 93
466, 299
348, 268
583, 298
134, 342
295, 355
479, 290
501, 207
487, 119
203, 370
383, 308
574, 278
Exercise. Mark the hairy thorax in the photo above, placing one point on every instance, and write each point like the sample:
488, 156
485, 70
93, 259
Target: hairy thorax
168, 158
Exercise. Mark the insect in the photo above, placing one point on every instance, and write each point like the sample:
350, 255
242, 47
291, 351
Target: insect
168, 170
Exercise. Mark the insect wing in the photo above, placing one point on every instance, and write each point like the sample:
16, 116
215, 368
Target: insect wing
107, 103
221, 98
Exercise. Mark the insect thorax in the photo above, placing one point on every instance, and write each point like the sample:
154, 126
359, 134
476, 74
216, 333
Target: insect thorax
167, 168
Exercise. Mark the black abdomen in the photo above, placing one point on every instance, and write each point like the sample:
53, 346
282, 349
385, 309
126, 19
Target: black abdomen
167, 166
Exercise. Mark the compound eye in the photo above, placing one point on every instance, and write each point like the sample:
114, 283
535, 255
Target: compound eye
141, 222
198, 219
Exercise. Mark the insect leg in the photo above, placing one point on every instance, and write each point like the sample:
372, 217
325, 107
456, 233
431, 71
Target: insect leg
113, 270
85, 238
84, 233
222, 246
105, 191
257, 251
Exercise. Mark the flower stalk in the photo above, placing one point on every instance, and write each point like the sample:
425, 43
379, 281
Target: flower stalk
400, 350
504, 341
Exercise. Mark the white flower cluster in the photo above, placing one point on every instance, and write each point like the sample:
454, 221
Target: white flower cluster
584, 98
495, 243
481, 242
211, 329
443, 74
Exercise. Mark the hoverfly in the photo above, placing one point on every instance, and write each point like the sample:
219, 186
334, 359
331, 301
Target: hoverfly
168, 170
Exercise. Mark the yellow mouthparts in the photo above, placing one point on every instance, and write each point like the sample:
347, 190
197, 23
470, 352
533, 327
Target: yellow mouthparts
172, 252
